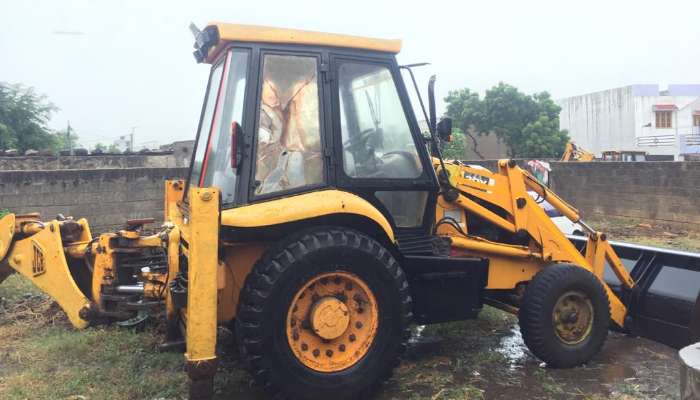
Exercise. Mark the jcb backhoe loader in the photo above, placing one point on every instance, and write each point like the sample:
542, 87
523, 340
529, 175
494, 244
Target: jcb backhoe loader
572, 152
319, 219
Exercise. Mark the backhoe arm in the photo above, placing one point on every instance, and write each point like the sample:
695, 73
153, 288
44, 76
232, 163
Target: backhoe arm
35, 249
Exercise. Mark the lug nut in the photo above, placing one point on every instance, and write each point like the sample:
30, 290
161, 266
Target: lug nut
329, 353
316, 352
341, 348
304, 347
352, 337
358, 325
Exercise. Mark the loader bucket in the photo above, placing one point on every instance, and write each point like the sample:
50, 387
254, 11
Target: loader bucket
665, 304
7, 231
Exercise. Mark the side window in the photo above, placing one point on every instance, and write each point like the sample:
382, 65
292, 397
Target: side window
205, 125
289, 136
219, 171
377, 140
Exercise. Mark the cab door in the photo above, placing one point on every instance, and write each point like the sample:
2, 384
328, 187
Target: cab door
379, 149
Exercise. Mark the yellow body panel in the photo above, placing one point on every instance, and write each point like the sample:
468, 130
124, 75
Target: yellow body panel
266, 34
202, 235
7, 231
304, 206
40, 258
240, 259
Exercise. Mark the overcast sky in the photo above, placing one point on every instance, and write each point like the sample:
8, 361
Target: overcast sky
132, 66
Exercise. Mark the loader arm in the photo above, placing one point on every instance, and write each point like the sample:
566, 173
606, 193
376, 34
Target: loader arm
502, 199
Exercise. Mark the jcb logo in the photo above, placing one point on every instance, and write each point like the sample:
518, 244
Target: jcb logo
484, 180
38, 265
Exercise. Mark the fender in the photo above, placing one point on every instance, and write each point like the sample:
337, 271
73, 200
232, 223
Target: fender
304, 206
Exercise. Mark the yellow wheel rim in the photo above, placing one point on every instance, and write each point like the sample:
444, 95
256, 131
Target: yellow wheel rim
332, 321
573, 317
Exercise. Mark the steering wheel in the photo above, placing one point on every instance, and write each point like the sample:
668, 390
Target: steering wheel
363, 152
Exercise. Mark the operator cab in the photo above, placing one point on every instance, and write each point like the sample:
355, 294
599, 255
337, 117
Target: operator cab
290, 111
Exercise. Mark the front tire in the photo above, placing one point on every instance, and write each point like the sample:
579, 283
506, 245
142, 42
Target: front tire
564, 315
325, 314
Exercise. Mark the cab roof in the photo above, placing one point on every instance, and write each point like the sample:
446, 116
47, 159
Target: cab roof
223, 33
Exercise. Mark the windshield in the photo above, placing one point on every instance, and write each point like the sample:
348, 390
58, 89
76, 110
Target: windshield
212, 164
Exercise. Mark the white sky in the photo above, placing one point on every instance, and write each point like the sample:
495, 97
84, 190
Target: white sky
133, 65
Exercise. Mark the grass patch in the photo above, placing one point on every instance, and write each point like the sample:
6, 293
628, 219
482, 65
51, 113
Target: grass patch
636, 231
43, 357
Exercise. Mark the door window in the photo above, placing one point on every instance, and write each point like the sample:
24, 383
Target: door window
288, 152
377, 140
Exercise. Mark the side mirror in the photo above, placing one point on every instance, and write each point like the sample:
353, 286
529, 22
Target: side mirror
444, 129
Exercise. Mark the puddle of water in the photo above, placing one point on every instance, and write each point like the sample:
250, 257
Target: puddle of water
513, 348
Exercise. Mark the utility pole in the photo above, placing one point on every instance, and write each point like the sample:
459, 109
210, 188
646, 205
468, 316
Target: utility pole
70, 144
131, 139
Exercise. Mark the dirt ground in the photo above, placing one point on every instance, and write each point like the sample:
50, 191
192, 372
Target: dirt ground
42, 357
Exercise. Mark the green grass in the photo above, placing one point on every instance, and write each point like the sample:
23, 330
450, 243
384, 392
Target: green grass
42, 357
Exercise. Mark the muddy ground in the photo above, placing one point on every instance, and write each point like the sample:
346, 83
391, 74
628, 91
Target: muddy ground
42, 357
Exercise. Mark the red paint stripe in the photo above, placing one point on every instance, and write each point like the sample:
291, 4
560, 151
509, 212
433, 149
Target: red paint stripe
215, 120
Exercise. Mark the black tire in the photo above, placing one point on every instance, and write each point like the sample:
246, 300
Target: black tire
536, 320
271, 286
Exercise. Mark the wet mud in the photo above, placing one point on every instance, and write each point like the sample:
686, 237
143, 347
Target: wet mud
487, 359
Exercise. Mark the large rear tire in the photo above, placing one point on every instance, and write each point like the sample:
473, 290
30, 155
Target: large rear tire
324, 315
564, 315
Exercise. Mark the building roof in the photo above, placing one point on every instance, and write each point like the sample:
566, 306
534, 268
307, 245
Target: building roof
265, 34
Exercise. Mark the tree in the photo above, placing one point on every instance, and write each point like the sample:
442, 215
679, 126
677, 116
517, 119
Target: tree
456, 148
60, 140
100, 147
466, 110
24, 115
527, 124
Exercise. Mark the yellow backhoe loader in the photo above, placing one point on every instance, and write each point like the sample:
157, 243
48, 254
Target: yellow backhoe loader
319, 220
572, 152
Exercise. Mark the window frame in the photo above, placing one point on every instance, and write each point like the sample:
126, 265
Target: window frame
248, 102
696, 120
343, 178
366, 187
260, 57
659, 117
222, 59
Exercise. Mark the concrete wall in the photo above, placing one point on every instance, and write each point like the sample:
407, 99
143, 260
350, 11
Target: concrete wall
24, 163
662, 192
106, 197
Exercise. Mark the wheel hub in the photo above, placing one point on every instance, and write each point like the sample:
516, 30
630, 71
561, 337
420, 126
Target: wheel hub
332, 321
573, 317
330, 318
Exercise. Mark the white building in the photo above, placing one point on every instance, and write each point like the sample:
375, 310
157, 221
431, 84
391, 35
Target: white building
663, 123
